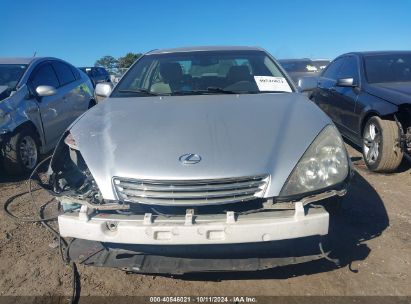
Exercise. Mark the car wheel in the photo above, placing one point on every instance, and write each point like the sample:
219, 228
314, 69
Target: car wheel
380, 145
21, 152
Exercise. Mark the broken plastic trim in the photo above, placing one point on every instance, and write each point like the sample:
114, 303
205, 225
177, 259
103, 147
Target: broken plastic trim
64, 199
69, 174
268, 205
179, 260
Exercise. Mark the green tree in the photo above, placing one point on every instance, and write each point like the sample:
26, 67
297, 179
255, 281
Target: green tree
126, 61
108, 62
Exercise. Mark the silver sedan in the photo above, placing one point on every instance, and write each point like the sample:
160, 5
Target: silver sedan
199, 152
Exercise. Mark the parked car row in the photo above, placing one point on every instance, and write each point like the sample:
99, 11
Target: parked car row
368, 97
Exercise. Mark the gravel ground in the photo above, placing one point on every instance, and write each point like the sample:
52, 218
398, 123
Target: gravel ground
372, 236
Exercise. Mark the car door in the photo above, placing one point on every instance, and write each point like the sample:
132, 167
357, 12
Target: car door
75, 98
323, 96
53, 110
345, 98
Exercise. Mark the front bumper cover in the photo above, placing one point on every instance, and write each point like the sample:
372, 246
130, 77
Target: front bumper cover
195, 230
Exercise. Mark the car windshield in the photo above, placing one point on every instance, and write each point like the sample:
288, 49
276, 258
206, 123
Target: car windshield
10, 75
299, 66
388, 68
203, 72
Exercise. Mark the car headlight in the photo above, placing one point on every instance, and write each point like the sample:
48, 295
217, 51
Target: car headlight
324, 164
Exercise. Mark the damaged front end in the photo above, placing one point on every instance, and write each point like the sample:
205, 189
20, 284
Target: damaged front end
138, 237
71, 181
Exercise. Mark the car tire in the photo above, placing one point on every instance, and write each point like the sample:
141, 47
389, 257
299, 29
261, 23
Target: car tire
381, 150
21, 152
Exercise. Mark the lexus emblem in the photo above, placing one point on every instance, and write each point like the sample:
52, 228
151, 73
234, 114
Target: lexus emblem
189, 159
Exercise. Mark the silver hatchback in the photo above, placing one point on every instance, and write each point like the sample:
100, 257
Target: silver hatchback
39, 99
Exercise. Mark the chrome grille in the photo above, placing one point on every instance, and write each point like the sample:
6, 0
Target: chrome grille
190, 192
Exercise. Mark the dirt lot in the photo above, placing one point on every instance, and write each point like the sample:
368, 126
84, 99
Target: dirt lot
372, 236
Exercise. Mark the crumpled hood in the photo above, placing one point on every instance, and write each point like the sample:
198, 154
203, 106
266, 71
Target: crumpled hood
397, 92
235, 135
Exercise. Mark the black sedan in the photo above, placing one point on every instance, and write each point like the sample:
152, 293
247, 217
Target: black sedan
368, 96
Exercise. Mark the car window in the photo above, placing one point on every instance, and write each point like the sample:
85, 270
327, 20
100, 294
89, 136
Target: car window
64, 73
95, 72
10, 74
333, 68
299, 66
200, 72
45, 75
76, 73
349, 68
103, 71
388, 68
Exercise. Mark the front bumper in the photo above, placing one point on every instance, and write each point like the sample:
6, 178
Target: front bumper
193, 229
184, 259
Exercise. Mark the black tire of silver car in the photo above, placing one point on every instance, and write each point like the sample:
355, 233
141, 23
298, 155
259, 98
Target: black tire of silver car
381, 149
21, 152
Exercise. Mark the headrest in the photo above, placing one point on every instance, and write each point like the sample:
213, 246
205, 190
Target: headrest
238, 73
171, 71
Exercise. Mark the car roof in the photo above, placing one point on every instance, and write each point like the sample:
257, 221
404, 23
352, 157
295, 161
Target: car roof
16, 60
23, 60
91, 67
295, 60
367, 53
205, 48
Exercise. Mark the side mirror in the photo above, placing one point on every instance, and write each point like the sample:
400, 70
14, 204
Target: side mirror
307, 83
346, 82
45, 90
102, 90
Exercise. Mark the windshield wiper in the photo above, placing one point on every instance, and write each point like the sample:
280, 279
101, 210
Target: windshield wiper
210, 90
221, 90
143, 91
